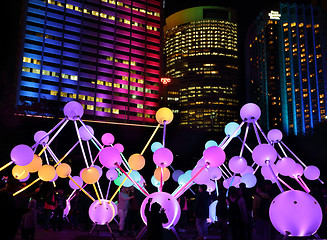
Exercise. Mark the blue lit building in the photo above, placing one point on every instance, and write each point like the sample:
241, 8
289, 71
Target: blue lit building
102, 53
287, 67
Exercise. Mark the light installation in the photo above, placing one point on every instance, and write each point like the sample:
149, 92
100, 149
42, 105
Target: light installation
292, 212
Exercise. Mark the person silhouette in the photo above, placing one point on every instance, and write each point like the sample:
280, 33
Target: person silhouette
155, 218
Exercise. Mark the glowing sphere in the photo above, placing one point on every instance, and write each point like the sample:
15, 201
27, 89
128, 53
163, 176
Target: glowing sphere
176, 174
166, 174
203, 177
107, 139
103, 213
90, 175
35, 165
136, 161
248, 169
249, 179
78, 180
311, 172
201, 163
286, 166
155, 182
228, 182
184, 178
163, 157
55, 178
266, 172
230, 128
73, 110
264, 152
22, 155
86, 133
168, 202
298, 171
19, 172
111, 174
99, 169
215, 173
25, 179
164, 114
119, 147
275, 135
250, 112
214, 155
210, 143
109, 157
212, 211
296, 212
63, 170
47, 173
237, 164
211, 186
155, 146
39, 135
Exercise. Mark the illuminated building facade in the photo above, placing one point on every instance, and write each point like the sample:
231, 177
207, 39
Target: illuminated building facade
102, 53
201, 58
300, 89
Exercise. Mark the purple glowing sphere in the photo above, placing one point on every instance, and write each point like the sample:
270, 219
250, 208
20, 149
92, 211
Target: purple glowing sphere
214, 155
203, 177
286, 166
311, 172
237, 164
232, 181
78, 180
176, 174
250, 112
38, 137
267, 174
22, 155
168, 202
163, 157
248, 169
215, 173
111, 174
275, 135
86, 133
249, 179
297, 171
99, 169
109, 157
73, 110
296, 212
211, 186
119, 147
264, 152
103, 213
107, 139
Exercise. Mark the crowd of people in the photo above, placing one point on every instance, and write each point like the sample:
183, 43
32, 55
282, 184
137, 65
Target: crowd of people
241, 213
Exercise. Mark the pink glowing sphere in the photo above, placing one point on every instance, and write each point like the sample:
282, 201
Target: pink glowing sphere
275, 135
168, 202
298, 171
39, 135
119, 147
264, 152
286, 166
22, 155
214, 155
163, 157
296, 212
86, 132
237, 164
107, 139
78, 180
103, 213
249, 179
203, 177
215, 173
111, 174
311, 172
250, 112
109, 157
73, 110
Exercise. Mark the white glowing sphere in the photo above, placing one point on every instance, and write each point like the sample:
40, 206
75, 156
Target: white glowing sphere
73, 110
250, 112
249, 179
311, 172
176, 174
78, 180
275, 135
214, 155
164, 115
230, 128
22, 155
103, 213
168, 202
285, 166
212, 211
155, 182
237, 164
211, 186
155, 146
86, 133
38, 137
264, 152
109, 157
210, 143
163, 157
107, 139
202, 175
215, 173
296, 212
297, 171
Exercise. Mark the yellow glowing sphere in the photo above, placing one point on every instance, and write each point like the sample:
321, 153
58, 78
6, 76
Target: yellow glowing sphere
164, 114
136, 161
63, 170
47, 173
166, 174
90, 175
35, 165
19, 172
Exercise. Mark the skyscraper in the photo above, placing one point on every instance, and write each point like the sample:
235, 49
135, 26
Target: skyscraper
300, 59
102, 53
201, 56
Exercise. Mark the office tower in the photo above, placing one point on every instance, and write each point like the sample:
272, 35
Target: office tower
201, 58
102, 53
301, 60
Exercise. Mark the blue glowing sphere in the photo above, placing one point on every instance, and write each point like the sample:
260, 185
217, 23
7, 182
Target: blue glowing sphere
155, 146
210, 143
231, 127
